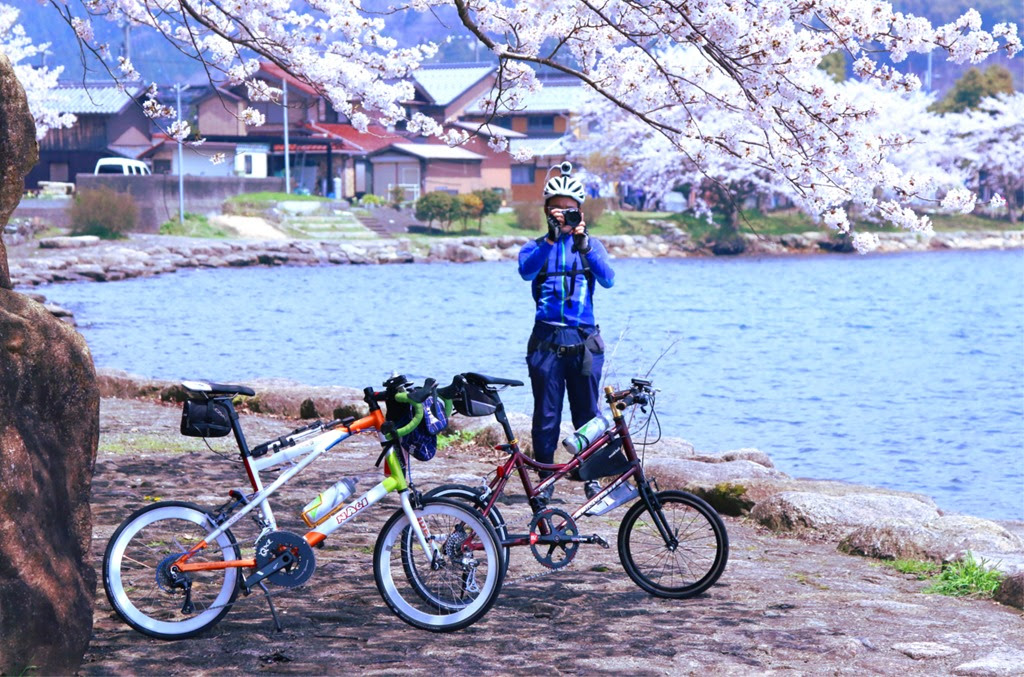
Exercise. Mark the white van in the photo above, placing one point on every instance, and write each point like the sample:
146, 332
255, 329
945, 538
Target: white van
120, 165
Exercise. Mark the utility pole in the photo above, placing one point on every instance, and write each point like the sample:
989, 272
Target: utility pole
181, 162
284, 109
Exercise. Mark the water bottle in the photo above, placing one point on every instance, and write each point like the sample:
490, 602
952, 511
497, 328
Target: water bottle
317, 510
585, 436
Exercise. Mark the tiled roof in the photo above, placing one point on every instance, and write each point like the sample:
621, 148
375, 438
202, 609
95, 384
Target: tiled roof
435, 151
489, 130
374, 138
93, 99
540, 147
555, 97
275, 72
444, 84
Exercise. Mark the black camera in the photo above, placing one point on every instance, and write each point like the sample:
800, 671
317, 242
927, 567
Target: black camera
573, 217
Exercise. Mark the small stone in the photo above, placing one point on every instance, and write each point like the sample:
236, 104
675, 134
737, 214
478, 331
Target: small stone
922, 650
997, 664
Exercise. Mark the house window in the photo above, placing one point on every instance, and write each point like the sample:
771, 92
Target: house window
540, 123
522, 174
161, 166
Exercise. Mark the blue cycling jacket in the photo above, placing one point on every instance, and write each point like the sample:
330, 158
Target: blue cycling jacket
562, 284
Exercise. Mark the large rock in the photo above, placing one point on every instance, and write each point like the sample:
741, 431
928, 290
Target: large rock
49, 429
1011, 590
943, 539
723, 481
838, 515
19, 152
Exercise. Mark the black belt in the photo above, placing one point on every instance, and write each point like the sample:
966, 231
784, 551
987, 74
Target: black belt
569, 351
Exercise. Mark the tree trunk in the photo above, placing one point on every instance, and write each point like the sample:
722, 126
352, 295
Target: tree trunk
19, 152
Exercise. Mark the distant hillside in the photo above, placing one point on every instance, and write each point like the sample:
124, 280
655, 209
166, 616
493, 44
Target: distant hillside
159, 62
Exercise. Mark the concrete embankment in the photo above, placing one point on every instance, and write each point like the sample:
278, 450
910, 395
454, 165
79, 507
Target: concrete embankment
64, 259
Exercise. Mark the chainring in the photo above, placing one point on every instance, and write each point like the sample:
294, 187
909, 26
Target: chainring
285, 543
554, 548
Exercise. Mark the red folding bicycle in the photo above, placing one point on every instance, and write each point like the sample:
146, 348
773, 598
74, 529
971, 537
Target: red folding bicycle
671, 543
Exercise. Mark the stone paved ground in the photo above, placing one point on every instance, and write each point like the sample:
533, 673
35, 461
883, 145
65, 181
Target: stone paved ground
783, 605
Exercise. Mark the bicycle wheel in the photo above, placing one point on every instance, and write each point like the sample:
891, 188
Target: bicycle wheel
456, 589
141, 586
689, 568
471, 496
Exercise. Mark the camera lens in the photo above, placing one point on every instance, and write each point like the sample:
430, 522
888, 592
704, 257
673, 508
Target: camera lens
572, 217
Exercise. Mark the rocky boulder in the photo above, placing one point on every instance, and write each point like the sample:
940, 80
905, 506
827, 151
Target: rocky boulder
720, 481
19, 152
832, 515
1011, 590
943, 539
49, 429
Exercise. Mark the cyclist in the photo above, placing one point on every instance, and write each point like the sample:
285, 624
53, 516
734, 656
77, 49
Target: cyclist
565, 351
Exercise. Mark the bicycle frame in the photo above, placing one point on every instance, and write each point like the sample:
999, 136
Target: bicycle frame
308, 451
520, 463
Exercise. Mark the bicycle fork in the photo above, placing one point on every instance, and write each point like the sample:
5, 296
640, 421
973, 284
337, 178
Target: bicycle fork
421, 530
650, 499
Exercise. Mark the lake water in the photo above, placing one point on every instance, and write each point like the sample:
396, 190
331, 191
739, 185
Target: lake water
904, 371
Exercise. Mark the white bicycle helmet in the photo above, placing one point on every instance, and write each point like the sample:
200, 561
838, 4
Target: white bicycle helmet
565, 185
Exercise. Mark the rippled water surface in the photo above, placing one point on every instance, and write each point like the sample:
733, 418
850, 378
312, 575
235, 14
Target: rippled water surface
905, 371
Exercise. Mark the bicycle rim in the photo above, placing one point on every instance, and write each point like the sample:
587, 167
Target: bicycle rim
464, 584
138, 583
471, 497
690, 568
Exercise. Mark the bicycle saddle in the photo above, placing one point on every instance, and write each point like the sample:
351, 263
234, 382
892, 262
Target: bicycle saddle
208, 388
481, 380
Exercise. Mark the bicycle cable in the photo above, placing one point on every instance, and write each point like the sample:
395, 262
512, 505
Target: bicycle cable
226, 457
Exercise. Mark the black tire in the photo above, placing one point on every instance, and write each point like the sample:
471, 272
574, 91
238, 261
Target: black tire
151, 603
461, 590
471, 496
692, 567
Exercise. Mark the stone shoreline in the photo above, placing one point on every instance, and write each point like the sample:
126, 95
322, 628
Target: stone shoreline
86, 258
861, 520
789, 601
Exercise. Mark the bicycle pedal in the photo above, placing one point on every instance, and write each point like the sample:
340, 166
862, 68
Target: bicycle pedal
600, 541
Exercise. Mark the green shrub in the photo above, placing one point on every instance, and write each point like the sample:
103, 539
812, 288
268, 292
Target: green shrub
967, 577
529, 216
471, 207
103, 212
438, 206
491, 200
397, 196
371, 200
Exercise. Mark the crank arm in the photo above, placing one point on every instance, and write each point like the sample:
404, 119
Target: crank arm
282, 561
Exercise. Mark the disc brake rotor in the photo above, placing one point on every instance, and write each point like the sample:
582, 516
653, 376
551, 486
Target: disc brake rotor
551, 534
292, 547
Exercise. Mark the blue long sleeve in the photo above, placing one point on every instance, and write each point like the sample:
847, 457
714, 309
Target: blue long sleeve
563, 287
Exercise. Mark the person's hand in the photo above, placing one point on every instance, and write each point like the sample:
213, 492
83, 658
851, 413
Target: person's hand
580, 239
554, 228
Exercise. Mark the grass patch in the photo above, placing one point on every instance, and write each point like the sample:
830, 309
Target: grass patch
195, 225
455, 438
967, 577
252, 198
915, 567
141, 444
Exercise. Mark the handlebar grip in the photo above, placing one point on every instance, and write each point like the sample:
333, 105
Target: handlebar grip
417, 407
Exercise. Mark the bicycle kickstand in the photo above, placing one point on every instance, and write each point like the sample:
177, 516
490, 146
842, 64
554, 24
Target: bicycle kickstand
270, 603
